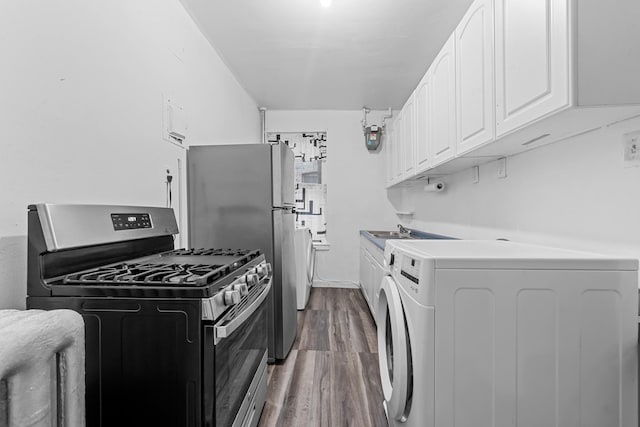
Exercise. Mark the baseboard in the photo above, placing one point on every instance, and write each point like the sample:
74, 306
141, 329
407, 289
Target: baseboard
335, 284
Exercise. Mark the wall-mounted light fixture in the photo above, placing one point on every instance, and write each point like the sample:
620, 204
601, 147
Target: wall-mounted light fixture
325, 3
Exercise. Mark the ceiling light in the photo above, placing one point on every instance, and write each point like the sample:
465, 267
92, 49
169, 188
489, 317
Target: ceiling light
325, 3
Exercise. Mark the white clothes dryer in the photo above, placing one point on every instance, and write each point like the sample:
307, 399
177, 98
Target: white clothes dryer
494, 333
305, 266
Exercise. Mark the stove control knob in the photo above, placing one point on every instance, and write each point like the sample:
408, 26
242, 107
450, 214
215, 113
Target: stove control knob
242, 288
231, 297
252, 279
263, 270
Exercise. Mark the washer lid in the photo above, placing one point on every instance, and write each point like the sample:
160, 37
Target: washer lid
501, 255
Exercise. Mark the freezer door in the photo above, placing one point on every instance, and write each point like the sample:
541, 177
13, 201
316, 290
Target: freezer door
283, 175
230, 197
285, 298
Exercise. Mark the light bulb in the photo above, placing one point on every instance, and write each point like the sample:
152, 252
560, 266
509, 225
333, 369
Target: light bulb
325, 3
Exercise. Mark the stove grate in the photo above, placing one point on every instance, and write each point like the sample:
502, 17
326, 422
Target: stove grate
209, 252
150, 274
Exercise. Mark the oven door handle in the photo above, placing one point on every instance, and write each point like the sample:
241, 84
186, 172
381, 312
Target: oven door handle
226, 330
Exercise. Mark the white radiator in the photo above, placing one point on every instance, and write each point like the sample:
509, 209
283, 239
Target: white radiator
41, 368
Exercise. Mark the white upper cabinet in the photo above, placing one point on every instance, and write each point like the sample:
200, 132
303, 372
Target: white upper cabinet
519, 74
421, 98
443, 107
389, 146
474, 77
408, 143
563, 67
393, 155
532, 60
399, 151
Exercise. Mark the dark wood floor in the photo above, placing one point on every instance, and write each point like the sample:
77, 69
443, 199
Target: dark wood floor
331, 377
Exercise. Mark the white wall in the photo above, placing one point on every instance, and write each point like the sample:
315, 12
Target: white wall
81, 87
355, 177
576, 194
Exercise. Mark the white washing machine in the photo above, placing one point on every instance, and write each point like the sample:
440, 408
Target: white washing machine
493, 333
305, 266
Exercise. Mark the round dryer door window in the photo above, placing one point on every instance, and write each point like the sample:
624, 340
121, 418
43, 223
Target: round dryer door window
394, 354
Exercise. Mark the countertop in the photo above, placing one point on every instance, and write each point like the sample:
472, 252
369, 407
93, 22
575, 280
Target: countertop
416, 234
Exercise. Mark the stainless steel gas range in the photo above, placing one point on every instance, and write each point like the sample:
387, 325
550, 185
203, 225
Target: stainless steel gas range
173, 337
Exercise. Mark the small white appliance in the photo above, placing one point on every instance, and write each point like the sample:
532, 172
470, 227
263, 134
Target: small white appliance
305, 265
494, 333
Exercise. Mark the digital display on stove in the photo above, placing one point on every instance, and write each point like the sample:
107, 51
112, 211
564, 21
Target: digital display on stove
128, 221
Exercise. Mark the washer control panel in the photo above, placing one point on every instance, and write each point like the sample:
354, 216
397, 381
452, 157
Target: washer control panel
410, 269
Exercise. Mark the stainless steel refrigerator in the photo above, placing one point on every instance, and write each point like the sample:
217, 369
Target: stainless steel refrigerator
242, 197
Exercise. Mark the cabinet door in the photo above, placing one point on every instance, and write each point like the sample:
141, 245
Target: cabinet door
399, 153
365, 268
370, 284
474, 77
409, 140
389, 147
532, 61
443, 111
376, 282
394, 151
367, 276
422, 126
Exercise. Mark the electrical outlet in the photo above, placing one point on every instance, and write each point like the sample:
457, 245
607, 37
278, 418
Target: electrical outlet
475, 174
501, 167
631, 143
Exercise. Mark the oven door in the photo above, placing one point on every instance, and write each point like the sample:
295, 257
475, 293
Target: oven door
234, 349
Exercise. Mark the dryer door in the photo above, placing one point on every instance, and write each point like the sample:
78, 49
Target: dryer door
394, 352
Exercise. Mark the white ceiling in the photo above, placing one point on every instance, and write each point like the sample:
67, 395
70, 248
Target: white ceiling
295, 54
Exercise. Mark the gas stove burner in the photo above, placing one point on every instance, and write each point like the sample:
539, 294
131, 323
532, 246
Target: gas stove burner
150, 275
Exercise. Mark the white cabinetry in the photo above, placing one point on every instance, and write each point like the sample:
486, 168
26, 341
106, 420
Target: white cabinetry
518, 74
408, 139
389, 146
532, 60
398, 153
474, 77
443, 109
422, 96
371, 272
365, 272
562, 68
377, 276
401, 160
394, 150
